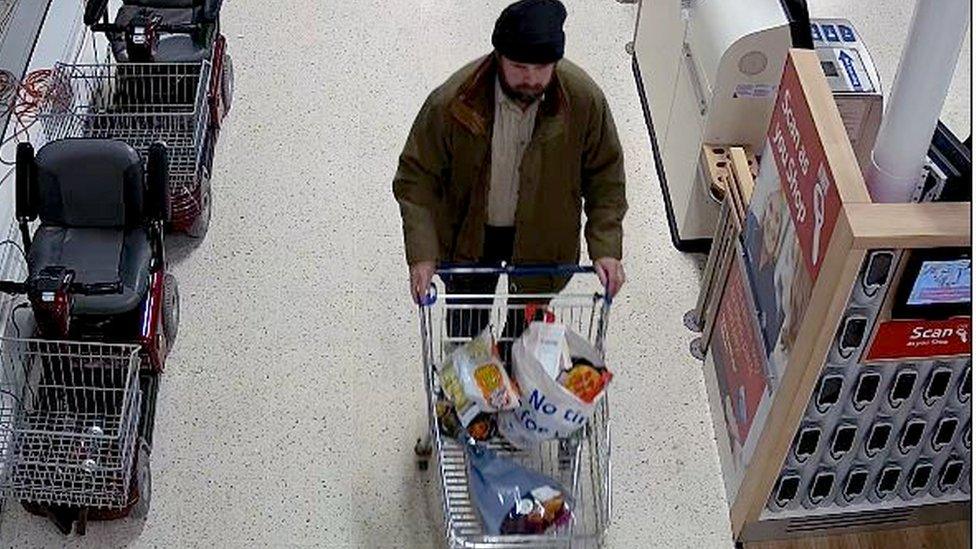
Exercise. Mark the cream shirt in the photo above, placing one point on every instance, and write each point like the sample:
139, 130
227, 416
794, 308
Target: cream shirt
511, 134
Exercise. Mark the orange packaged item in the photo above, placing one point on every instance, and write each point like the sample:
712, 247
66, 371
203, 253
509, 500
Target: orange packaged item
585, 380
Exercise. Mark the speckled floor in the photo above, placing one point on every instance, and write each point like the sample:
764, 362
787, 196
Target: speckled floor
290, 406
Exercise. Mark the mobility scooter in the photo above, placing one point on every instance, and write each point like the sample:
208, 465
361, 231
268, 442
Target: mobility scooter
170, 79
78, 392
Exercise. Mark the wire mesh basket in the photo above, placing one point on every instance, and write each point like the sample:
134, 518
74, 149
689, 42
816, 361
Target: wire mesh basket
69, 414
580, 463
139, 103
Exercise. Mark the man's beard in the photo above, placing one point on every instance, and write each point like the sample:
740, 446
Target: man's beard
522, 95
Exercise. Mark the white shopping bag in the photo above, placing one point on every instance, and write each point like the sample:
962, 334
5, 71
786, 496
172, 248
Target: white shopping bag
547, 345
547, 410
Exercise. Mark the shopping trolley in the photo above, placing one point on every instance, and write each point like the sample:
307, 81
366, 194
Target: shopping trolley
581, 463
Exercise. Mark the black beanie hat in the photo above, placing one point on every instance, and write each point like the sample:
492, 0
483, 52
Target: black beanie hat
531, 31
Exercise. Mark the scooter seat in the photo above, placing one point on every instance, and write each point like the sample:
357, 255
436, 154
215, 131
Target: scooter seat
172, 48
91, 200
97, 255
167, 15
180, 48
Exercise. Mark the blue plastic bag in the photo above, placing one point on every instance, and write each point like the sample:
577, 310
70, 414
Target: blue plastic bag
511, 498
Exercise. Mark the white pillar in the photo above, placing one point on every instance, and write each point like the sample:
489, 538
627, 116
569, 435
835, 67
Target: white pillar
915, 103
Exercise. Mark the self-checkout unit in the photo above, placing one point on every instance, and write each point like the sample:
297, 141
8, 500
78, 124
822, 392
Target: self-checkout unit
707, 74
835, 303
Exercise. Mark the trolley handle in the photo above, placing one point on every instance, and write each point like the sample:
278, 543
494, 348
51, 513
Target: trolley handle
447, 269
515, 270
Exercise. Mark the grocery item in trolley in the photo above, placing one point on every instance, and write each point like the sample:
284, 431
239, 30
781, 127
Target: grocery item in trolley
585, 379
474, 380
482, 427
561, 378
512, 499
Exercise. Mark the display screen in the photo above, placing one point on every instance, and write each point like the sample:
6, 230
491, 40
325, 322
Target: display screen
855, 484
888, 480
920, 477
788, 488
829, 392
843, 440
879, 438
943, 435
829, 68
950, 474
903, 386
821, 486
941, 282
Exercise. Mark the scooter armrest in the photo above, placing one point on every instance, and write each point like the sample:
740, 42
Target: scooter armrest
211, 9
95, 10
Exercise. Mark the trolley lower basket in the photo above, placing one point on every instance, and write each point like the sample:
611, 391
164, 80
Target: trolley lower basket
581, 465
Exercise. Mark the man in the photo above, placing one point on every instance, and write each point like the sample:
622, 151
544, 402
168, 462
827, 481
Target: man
504, 156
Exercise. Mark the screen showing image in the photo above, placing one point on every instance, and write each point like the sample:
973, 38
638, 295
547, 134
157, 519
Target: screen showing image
829, 68
942, 282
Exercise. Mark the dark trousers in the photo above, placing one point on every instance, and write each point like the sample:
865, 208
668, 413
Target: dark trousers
467, 317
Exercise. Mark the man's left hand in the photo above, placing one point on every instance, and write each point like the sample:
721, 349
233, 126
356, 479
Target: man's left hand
610, 271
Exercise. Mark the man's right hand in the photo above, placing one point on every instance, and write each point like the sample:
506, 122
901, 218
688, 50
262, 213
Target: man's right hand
421, 274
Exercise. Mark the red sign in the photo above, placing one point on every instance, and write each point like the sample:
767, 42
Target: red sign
805, 176
738, 353
920, 339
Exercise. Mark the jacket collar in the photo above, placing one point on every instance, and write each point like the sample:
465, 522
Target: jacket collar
474, 105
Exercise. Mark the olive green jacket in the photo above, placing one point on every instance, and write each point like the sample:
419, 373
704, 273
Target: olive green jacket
573, 163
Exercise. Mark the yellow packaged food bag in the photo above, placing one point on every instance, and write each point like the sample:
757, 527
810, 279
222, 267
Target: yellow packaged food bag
474, 379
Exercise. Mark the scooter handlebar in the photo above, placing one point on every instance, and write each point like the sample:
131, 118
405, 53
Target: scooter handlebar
107, 27
178, 29
171, 29
97, 288
12, 287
